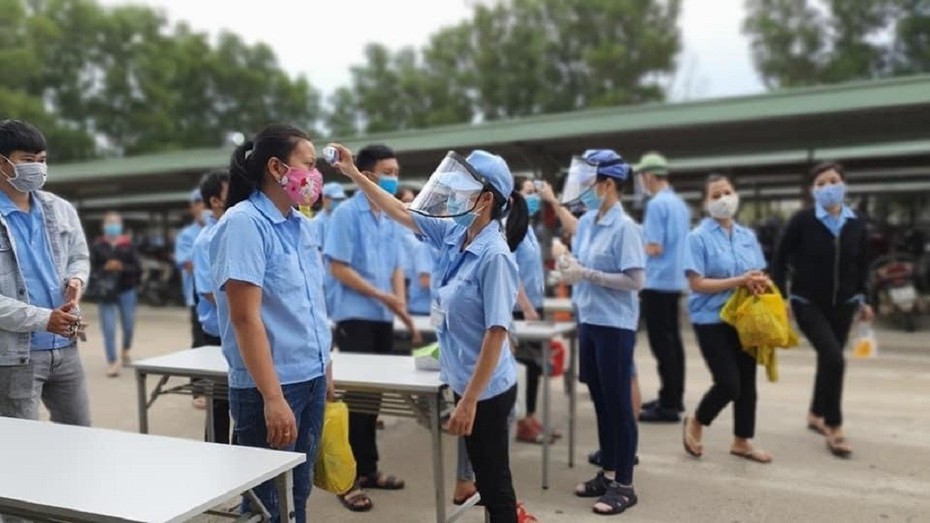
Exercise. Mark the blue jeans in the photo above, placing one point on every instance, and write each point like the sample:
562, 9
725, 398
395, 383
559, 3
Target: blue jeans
307, 399
125, 305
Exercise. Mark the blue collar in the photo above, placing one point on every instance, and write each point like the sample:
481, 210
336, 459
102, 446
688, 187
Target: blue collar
268, 208
478, 244
361, 201
710, 224
615, 213
7, 207
845, 213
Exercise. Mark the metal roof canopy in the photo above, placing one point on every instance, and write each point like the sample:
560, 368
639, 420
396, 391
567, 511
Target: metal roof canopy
876, 128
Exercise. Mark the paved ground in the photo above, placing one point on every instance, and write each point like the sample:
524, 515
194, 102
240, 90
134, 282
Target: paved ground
888, 420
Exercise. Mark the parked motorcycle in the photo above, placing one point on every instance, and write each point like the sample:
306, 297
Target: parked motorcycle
893, 288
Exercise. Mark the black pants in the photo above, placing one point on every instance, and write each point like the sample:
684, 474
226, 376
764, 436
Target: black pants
220, 407
373, 337
489, 452
533, 369
199, 338
827, 329
660, 310
734, 374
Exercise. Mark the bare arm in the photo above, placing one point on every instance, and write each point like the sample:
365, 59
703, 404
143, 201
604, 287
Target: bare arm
385, 201
400, 288
567, 219
425, 280
351, 278
463, 417
713, 285
529, 312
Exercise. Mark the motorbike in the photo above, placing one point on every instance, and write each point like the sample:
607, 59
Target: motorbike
893, 289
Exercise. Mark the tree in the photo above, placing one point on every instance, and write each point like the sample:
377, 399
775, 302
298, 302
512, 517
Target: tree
806, 42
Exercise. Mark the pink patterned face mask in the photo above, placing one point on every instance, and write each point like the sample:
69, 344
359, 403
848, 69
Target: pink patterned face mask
303, 187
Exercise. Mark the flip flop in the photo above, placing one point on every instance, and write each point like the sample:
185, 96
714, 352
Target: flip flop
837, 449
819, 429
755, 455
465, 499
687, 440
352, 502
371, 482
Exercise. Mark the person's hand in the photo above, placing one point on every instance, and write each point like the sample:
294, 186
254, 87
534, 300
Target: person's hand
572, 272
530, 314
866, 313
345, 164
415, 337
393, 302
280, 422
759, 284
653, 249
62, 322
330, 391
116, 265
462, 419
546, 193
74, 290
188, 267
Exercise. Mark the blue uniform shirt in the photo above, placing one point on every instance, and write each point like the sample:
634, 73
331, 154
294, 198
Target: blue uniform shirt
529, 264
666, 223
477, 289
372, 247
712, 253
183, 253
834, 223
420, 259
43, 285
320, 221
206, 311
255, 243
613, 244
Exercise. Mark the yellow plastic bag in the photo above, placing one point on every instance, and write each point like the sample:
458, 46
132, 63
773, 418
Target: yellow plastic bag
334, 470
762, 321
866, 343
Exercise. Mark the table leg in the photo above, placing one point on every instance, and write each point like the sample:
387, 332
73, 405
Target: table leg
438, 472
211, 398
284, 483
546, 421
572, 396
143, 404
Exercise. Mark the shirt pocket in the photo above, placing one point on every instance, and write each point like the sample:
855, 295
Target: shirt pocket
283, 275
603, 259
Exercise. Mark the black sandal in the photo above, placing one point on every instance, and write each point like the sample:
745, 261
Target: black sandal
594, 458
356, 500
378, 481
618, 498
594, 487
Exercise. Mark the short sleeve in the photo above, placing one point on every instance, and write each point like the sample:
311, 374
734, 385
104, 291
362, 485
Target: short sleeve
694, 255
423, 259
499, 282
433, 230
201, 258
654, 222
759, 256
401, 250
340, 235
238, 252
184, 246
631, 255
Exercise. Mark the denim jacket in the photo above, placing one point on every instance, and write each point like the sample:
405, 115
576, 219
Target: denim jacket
72, 260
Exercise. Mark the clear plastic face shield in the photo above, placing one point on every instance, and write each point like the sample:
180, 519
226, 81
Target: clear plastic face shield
452, 190
580, 180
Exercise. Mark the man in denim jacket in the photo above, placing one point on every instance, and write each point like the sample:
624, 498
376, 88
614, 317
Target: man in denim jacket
44, 264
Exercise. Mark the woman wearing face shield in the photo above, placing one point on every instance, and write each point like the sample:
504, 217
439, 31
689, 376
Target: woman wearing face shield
459, 212
722, 256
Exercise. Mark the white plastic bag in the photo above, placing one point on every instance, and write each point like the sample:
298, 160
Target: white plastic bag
866, 343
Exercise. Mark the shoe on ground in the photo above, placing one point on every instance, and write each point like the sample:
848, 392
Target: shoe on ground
659, 415
112, 370
650, 404
126, 359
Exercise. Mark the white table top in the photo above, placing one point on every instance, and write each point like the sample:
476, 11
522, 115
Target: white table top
557, 305
524, 330
381, 372
106, 475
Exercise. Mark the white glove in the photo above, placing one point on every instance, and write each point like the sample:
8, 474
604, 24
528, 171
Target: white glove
572, 272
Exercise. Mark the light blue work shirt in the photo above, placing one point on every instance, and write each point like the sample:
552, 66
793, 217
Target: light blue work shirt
714, 253
529, 265
834, 223
44, 286
320, 221
369, 244
420, 258
183, 253
256, 244
612, 244
206, 311
666, 223
477, 289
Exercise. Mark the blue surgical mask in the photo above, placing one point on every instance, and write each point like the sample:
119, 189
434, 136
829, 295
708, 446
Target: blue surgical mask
388, 183
113, 229
465, 220
28, 176
532, 203
830, 195
590, 199
457, 208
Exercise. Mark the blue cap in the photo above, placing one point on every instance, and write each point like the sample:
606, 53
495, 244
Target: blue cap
608, 163
195, 196
334, 191
494, 169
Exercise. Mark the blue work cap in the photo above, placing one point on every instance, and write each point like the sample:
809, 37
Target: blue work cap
195, 196
494, 169
608, 163
334, 191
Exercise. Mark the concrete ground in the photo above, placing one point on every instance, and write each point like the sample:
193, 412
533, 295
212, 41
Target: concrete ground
887, 409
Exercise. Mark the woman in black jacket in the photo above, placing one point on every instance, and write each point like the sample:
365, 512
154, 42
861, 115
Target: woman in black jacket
115, 274
824, 251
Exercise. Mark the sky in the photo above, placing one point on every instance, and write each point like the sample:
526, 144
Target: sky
715, 59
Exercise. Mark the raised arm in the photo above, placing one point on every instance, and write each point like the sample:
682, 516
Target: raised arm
568, 220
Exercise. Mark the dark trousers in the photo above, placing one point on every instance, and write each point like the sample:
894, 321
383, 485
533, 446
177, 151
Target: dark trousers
827, 329
607, 357
198, 336
373, 337
734, 374
660, 309
533, 368
489, 452
220, 407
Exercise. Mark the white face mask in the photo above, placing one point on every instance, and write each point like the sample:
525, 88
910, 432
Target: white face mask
29, 176
724, 207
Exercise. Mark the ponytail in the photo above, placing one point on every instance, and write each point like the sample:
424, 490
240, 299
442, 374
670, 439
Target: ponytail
248, 163
518, 221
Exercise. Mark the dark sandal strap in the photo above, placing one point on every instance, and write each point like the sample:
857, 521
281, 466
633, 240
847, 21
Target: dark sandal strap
594, 487
390, 482
618, 498
356, 500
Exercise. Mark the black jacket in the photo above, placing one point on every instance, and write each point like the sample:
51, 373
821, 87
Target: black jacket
823, 269
124, 251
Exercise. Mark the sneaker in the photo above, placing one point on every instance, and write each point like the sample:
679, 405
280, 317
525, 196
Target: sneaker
659, 415
112, 370
649, 405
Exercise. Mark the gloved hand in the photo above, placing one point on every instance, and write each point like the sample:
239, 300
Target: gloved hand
572, 271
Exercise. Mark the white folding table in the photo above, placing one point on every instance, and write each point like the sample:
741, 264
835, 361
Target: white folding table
63, 472
404, 390
553, 305
542, 332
